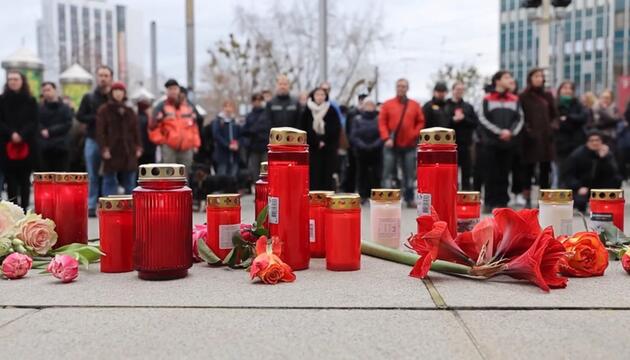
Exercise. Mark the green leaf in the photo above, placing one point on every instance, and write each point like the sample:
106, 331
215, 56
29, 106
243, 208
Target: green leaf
261, 232
612, 236
206, 254
69, 247
260, 219
40, 264
230, 259
82, 259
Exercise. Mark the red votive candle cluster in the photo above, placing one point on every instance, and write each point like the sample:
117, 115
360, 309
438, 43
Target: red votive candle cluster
343, 232
44, 194
317, 207
261, 190
468, 210
71, 208
115, 222
223, 221
607, 206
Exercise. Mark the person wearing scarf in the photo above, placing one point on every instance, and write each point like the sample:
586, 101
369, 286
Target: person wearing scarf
323, 128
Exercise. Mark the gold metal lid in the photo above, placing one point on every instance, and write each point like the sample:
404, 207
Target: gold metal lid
43, 177
606, 194
468, 196
68, 177
287, 136
319, 197
173, 172
264, 168
116, 203
556, 195
437, 135
343, 201
224, 200
385, 194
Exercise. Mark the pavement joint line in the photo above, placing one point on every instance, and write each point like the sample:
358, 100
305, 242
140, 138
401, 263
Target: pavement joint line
437, 298
35, 310
469, 333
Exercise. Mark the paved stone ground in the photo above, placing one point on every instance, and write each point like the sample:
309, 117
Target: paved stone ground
378, 312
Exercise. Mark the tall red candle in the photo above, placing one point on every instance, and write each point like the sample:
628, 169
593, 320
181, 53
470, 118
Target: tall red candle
607, 206
115, 223
71, 208
162, 222
317, 207
437, 174
288, 194
223, 220
468, 210
261, 189
44, 194
343, 232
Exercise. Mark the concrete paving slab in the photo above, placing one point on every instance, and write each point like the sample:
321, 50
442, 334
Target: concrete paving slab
378, 284
11, 314
237, 333
547, 334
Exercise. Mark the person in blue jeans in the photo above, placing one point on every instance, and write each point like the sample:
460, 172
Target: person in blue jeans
226, 134
90, 103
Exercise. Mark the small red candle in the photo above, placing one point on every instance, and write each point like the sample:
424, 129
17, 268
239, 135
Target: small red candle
71, 208
224, 220
162, 222
342, 231
437, 174
115, 223
607, 206
44, 194
261, 189
288, 194
317, 207
468, 210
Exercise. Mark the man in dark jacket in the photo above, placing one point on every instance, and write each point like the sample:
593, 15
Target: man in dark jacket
283, 109
464, 121
368, 147
226, 135
87, 115
255, 136
434, 110
55, 122
501, 123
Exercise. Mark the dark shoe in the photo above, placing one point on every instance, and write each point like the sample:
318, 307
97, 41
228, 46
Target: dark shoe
92, 213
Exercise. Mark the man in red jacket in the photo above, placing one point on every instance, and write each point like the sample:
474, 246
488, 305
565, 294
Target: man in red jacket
399, 123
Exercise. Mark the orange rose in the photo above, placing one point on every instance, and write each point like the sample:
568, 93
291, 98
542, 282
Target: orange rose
585, 255
267, 265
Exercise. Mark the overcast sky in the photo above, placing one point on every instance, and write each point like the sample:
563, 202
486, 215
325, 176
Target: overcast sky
424, 34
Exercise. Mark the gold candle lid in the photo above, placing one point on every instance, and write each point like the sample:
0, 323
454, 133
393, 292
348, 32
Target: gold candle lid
556, 195
43, 176
173, 172
468, 196
287, 136
319, 197
223, 200
68, 177
264, 168
115, 203
437, 135
606, 194
343, 201
385, 194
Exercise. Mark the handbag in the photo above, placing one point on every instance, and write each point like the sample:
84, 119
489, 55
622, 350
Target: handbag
17, 151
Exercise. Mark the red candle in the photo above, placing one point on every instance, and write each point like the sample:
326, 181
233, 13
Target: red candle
343, 232
71, 208
162, 222
261, 189
437, 174
115, 223
288, 194
317, 207
607, 206
44, 194
224, 220
468, 210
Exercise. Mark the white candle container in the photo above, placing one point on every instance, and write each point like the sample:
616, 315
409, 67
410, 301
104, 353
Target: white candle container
555, 209
385, 217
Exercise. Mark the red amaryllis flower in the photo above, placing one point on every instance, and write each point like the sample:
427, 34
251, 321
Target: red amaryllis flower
427, 246
540, 263
448, 250
516, 230
625, 261
585, 255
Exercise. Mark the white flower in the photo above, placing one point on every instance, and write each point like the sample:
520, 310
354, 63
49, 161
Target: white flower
10, 214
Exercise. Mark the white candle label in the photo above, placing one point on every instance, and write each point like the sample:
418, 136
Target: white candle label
226, 233
600, 220
311, 230
464, 225
424, 204
274, 210
566, 227
388, 229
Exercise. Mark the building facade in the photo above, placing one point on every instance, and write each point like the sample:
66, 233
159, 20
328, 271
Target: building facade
589, 42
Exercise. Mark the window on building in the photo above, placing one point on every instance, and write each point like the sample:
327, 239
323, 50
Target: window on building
520, 35
578, 29
87, 41
503, 38
588, 82
511, 41
599, 22
567, 30
503, 5
530, 37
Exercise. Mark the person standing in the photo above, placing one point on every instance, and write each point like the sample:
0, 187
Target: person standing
323, 128
501, 123
539, 112
18, 128
400, 122
464, 121
282, 110
226, 135
175, 127
118, 136
605, 118
55, 122
434, 110
90, 103
144, 120
368, 148
572, 118
255, 136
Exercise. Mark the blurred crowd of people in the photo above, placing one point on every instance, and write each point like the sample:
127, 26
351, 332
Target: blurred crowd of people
515, 140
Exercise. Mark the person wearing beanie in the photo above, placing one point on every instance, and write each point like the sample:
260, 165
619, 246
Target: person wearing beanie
434, 110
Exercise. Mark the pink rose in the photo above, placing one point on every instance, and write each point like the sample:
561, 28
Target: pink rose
16, 265
64, 268
200, 232
247, 233
38, 234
